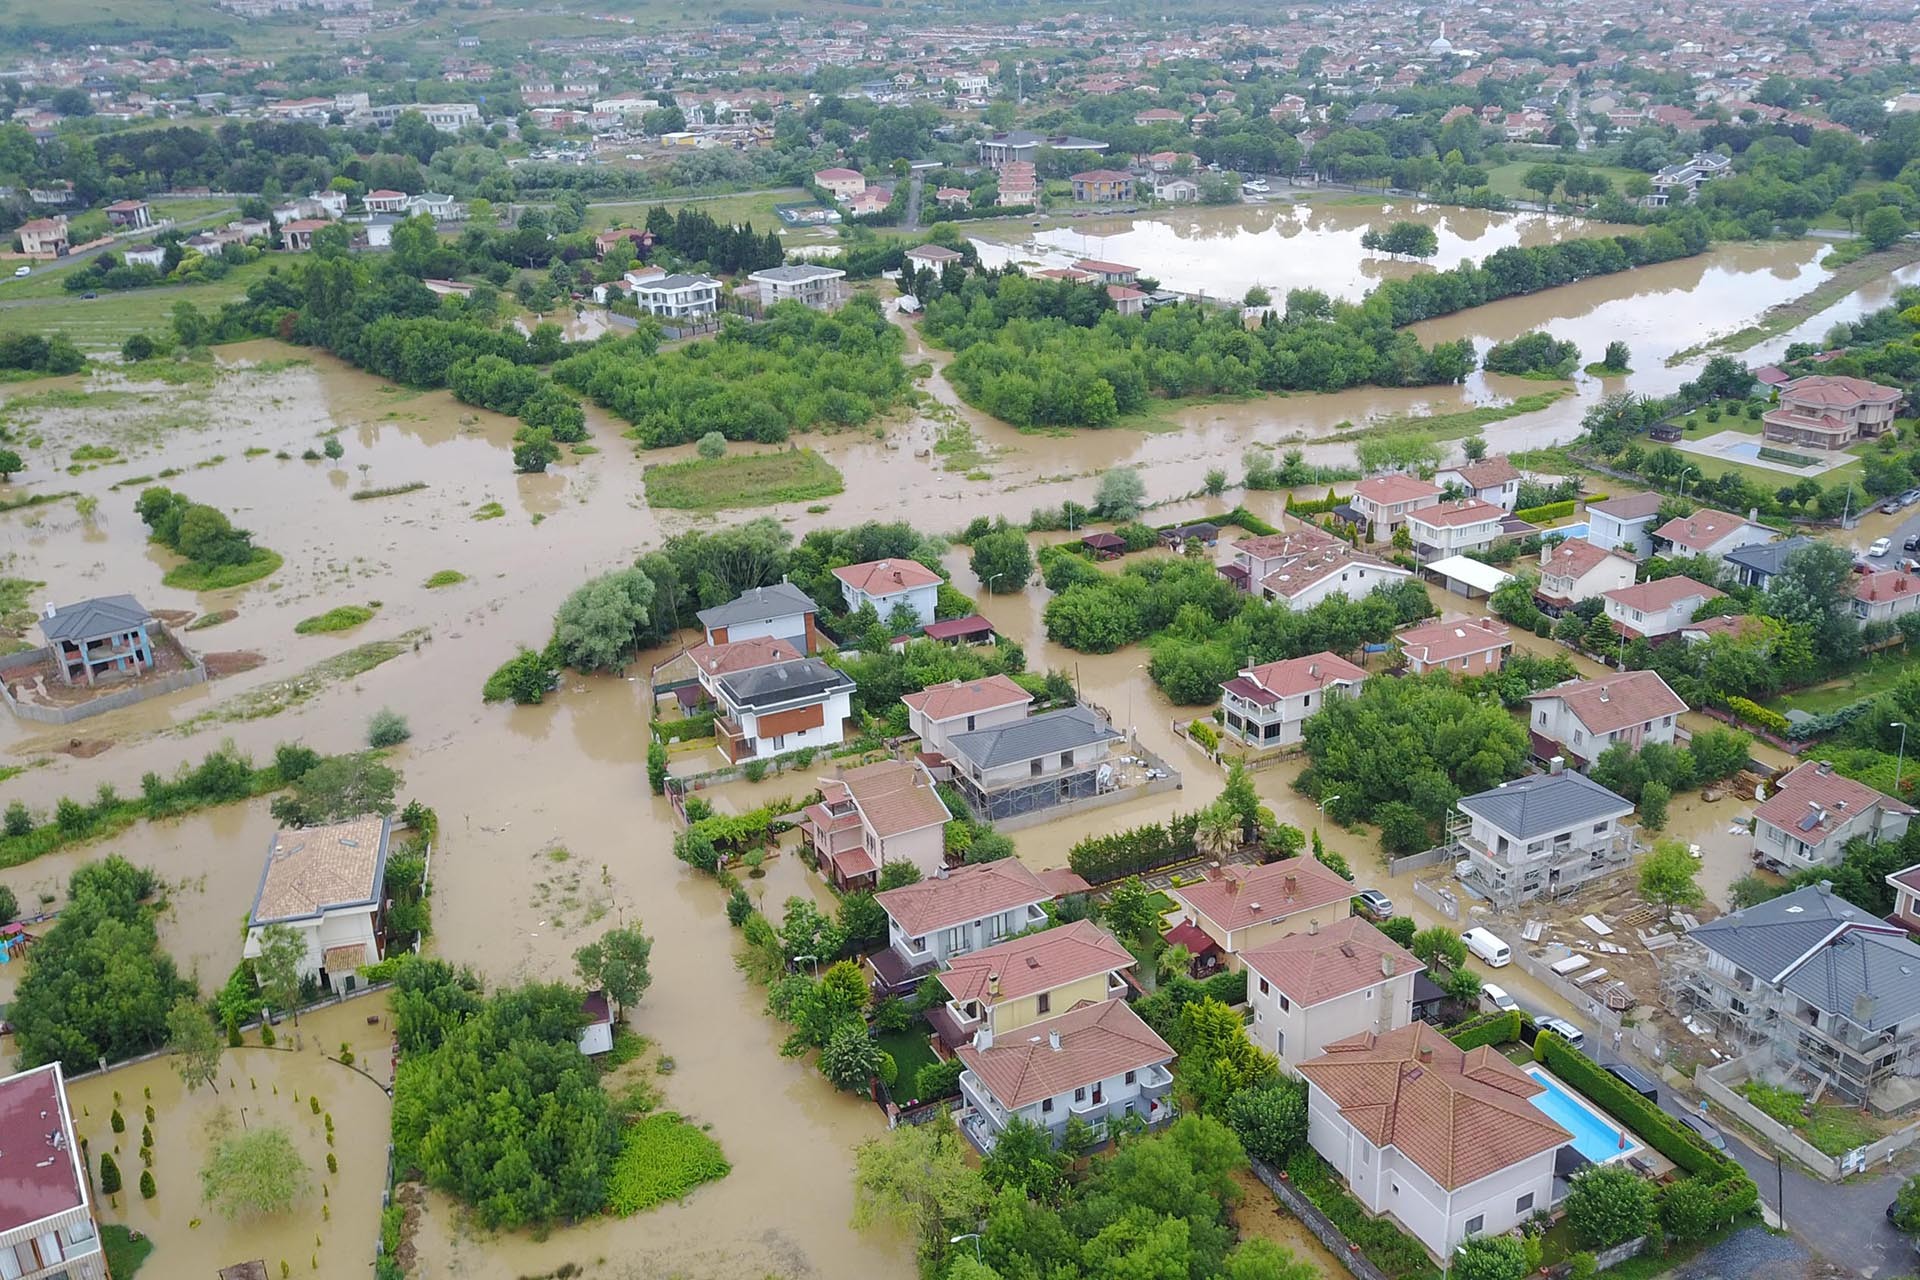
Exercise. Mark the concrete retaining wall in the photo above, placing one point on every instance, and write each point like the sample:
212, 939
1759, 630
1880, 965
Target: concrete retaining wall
1719, 1083
1318, 1223
149, 687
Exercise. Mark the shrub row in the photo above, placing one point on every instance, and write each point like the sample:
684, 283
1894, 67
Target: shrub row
1204, 734
1487, 1029
1100, 859
1548, 511
1385, 1245
1304, 507
1252, 523
1790, 459
1764, 717
1833, 721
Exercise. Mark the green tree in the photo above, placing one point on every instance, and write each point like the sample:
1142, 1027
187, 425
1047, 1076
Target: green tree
387, 728
195, 1043
1439, 944
850, 1057
1884, 226
712, 445
1811, 591
917, 1179
1217, 1060
255, 1173
598, 627
1259, 1259
1654, 797
338, 788
1258, 295
1270, 1121
616, 962
1906, 1206
279, 967
1607, 1205
1494, 1258
1002, 560
1543, 178
534, 450
109, 1174
526, 678
1669, 876
1121, 493
1617, 358
1130, 912
10, 465
1216, 481
333, 448
1023, 1157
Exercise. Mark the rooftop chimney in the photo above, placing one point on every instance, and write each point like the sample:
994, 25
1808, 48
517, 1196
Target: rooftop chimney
1557, 765
983, 1038
1386, 964
1604, 695
1293, 884
1426, 1053
1824, 767
940, 872
1053, 1040
47, 610
1313, 927
993, 984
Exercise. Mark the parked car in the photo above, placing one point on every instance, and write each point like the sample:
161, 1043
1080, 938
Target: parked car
1888, 507
1879, 548
1487, 945
1912, 542
1637, 1081
1910, 497
1573, 1035
22, 271
1909, 565
1702, 1130
1374, 904
1496, 998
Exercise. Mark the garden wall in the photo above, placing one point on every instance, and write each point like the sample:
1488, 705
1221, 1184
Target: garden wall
147, 687
1318, 1223
1720, 1084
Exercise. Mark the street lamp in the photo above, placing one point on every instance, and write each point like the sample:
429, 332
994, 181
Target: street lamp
1324, 803
973, 1236
1683, 478
1901, 762
816, 964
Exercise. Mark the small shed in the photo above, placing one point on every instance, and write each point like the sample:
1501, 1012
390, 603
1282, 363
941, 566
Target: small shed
1105, 546
1205, 951
972, 629
597, 1036
1204, 533
1428, 996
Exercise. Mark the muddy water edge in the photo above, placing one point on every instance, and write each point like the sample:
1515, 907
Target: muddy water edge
516, 785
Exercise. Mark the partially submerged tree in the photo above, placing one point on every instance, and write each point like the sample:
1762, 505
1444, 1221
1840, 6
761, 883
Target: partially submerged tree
253, 1173
617, 963
196, 1044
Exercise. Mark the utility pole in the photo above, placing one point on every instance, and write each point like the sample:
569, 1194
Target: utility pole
1780, 1188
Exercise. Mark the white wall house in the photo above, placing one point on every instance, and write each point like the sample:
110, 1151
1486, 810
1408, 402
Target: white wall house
1312, 988
1886, 595
951, 913
781, 611
1303, 567
1579, 569
888, 584
1542, 835
47, 1231
807, 283
1579, 719
1814, 811
1708, 533
1385, 501
940, 711
1447, 1142
1095, 1062
1494, 480
1453, 528
1624, 524
678, 297
1267, 705
328, 884
1657, 609
784, 706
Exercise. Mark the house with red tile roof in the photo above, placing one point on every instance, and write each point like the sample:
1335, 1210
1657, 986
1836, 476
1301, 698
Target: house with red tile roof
1109, 272
1657, 609
1301, 567
1385, 501
1825, 412
879, 813
1905, 884
1885, 595
1096, 1061
1266, 705
1024, 980
1102, 186
1461, 646
1454, 528
1243, 907
1446, 1141
1577, 570
1707, 533
46, 1213
953, 912
1312, 988
1814, 811
711, 661
841, 184
940, 711
1578, 719
888, 585
1495, 480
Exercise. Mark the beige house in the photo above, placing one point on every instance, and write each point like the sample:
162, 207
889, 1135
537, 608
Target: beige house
1268, 705
1577, 570
1023, 980
1385, 501
1242, 907
1822, 412
939, 711
952, 913
1095, 1062
1309, 989
1657, 609
47, 1231
328, 884
1462, 646
1454, 528
1578, 719
879, 813
841, 184
44, 237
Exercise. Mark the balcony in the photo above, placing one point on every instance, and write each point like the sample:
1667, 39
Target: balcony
1154, 1079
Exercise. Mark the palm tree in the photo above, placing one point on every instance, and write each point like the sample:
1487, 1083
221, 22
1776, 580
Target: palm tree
1218, 830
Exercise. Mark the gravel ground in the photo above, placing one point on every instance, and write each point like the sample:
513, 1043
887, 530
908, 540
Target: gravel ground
1754, 1253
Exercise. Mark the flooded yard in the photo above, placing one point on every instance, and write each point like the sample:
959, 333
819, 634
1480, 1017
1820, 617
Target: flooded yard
518, 786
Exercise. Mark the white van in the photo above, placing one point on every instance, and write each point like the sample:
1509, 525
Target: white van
1489, 948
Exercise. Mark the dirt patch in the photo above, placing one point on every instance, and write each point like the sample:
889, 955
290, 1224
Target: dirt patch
206, 620
413, 1197
84, 748
231, 663
173, 617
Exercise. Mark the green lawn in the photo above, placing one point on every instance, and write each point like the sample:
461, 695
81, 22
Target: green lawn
1505, 178
191, 576
124, 1253
1878, 674
741, 480
910, 1052
756, 208
103, 323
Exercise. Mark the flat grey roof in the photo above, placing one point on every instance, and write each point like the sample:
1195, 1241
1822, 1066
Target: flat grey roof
1544, 803
760, 604
798, 274
676, 281
1040, 735
782, 682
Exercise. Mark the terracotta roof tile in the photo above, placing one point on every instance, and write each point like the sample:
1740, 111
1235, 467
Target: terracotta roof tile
1451, 515
1885, 585
1700, 530
1039, 962
887, 577
741, 655
1574, 558
967, 893
1444, 640
1488, 472
1459, 1115
895, 796
961, 698
1243, 896
312, 868
1829, 799
1096, 1041
1633, 697
1662, 593
1389, 490
1320, 965
1295, 676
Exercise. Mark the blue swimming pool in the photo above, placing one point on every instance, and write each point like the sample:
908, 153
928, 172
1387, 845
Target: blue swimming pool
1567, 530
1594, 1136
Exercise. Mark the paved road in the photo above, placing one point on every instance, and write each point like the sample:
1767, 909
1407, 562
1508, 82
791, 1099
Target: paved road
1909, 527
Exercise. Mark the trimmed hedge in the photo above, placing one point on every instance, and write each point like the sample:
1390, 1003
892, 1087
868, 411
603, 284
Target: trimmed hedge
1203, 733
1548, 511
1755, 714
1833, 721
1100, 859
1487, 1029
1227, 988
1252, 523
1790, 459
1314, 506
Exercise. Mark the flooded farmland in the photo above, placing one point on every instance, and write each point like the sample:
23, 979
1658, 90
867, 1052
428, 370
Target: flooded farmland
515, 785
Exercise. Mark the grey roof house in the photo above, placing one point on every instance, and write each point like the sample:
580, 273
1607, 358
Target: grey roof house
1829, 991
108, 635
782, 610
1759, 564
1547, 834
1028, 765
781, 707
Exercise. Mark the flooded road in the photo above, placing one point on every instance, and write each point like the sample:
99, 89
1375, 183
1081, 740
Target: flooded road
516, 785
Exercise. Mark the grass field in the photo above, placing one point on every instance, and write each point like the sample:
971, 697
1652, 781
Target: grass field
103, 323
754, 207
1877, 675
1505, 178
742, 480
124, 1253
910, 1052
199, 577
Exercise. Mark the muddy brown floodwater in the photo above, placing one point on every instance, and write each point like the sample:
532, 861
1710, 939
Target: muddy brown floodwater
517, 786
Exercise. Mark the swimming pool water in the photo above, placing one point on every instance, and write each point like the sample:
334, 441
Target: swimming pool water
1568, 530
1593, 1136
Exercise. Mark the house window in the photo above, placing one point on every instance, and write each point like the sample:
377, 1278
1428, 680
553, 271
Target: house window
1080, 1094
1045, 1002
1666, 722
1306, 701
969, 724
1280, 1043
1599, 828
1524, 1204
1066, 759
996, 927
1033, 769
1264, 988
957, 940
1046, 1105
1286, 1005
1130, 1076
1476, 1224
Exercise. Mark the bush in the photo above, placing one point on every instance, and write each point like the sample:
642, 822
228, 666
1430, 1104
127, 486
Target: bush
1608, 1205
1100, 859
712, 445
1271, 1120
387, 728
109, 1174
147, 1188
662, 1158
1550, 511
1755, 714
1204, 734
938, 1080
1487, 1029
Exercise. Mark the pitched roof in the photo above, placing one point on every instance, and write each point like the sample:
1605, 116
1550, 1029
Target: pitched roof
1544, 803
782, 682
1614, 702
1387, 490
969, 697
1451, 515
1241, 896
1487, 473
1295, 676
1458, 1114
1662, 593
90, 619
963, 894
1040, 735
1039, 962
1767, 558
1884, 585
310, 869
1700, 530
896, 797
880, 578
1103, 175
836, 175
1314, 967
740, 655
1838, 391
1444, 640
1866, 975
1628, 506
1812, 801
1298, 573
39, 1162
1574, 558
1288, 542
1096, 1041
